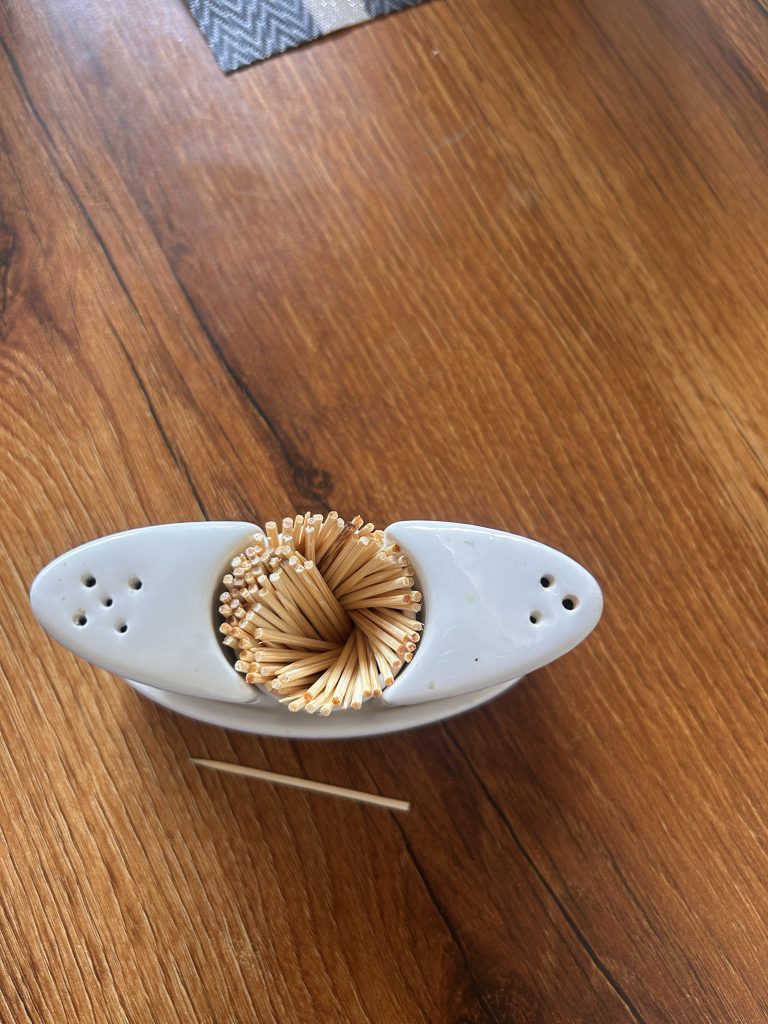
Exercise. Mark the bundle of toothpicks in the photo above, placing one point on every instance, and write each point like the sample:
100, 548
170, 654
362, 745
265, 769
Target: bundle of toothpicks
321, 612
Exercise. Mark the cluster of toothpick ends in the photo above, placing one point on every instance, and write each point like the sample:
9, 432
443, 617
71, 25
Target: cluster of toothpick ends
321, 612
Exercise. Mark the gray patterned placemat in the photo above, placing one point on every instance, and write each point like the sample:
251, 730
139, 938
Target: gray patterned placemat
242, 31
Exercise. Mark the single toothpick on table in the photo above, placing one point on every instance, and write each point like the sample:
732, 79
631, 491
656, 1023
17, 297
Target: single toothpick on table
307, 784
321, 612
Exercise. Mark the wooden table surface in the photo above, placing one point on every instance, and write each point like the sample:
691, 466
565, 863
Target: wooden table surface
495, 263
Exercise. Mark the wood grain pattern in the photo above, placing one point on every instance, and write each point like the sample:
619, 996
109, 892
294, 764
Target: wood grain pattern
495, 263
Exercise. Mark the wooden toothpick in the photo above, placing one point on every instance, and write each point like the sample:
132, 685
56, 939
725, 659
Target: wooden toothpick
308, 784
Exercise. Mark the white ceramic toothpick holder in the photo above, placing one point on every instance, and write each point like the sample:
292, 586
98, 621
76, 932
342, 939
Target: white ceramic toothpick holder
496, 606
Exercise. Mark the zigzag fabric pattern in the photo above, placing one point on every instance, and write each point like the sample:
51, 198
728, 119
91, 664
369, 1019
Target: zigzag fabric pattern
243, 31
376, 8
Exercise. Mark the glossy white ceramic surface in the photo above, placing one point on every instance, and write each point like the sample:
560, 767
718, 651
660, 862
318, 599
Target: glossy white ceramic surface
496, 606
141, 604
267, 717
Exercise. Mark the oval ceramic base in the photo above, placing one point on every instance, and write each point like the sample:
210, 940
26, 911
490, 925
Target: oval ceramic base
267, 717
